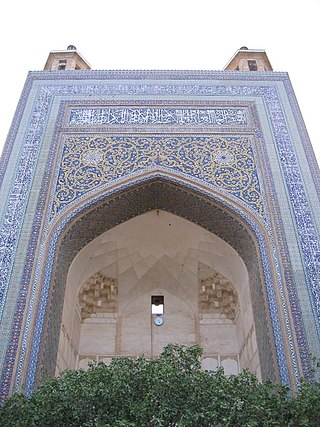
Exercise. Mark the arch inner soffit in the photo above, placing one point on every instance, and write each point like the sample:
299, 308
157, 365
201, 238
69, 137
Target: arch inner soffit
172, 198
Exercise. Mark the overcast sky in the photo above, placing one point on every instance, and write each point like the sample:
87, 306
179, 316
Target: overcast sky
166, 34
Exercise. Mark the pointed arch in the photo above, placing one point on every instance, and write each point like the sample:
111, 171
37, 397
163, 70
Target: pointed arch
91, 217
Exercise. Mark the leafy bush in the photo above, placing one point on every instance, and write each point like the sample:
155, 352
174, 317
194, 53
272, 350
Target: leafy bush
170, 391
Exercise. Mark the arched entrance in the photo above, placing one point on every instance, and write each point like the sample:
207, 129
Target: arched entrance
231, 224
201, 282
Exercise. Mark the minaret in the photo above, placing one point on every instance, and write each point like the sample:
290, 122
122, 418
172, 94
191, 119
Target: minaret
249, 60
69, 59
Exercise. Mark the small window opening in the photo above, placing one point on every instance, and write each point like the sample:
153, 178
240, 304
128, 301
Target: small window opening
157, 304
62, 64
253, 65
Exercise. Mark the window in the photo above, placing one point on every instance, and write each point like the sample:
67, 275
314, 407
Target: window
62, 64
157, 304
252, 65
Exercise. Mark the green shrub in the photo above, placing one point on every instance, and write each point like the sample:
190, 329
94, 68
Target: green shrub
170, 391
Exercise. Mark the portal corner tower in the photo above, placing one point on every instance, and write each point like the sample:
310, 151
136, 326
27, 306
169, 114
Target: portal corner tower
147, 207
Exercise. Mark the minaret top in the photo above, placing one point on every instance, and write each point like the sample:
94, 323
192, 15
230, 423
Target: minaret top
249, 60
69, 59
243, 60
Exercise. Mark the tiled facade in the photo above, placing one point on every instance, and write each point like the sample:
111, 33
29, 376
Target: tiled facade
91, 149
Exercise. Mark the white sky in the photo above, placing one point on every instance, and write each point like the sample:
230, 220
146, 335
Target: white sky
166, 34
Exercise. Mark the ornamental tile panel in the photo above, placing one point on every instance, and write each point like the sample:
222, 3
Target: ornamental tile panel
219, 170
101, 116
226, 162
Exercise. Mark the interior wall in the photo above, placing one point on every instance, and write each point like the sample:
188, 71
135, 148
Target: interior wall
158, 253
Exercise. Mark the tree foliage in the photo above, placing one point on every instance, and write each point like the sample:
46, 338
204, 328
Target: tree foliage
170, 391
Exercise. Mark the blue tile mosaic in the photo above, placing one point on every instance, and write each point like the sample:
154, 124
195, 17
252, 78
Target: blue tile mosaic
188, 87
225, 162
157, 116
